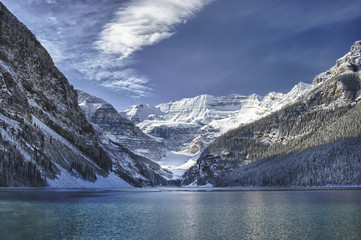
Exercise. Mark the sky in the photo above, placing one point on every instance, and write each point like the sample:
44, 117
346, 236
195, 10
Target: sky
155, 51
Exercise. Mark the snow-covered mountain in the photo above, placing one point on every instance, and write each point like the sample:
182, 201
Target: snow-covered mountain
119, 129
189, 125
129, 148
315, 140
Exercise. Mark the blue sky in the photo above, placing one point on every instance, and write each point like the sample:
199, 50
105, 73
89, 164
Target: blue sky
155, 51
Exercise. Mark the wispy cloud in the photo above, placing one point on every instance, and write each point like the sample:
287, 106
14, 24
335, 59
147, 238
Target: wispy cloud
129, 81
145, 22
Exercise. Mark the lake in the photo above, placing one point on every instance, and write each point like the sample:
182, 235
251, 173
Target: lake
179, 214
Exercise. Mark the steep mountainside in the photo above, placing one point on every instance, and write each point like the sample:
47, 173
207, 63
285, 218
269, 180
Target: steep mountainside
313, 141
119, 129
43, 131
124, 142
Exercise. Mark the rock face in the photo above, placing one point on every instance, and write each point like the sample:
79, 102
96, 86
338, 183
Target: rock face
42, 128
348, 63
312, 141
128, 147
119, 129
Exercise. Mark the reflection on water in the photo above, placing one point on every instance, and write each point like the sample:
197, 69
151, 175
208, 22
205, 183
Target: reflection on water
32, 214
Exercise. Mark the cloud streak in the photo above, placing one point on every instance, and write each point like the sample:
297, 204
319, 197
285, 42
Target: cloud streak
145, 22
130, 81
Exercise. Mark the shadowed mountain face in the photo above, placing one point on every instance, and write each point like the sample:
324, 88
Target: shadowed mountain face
42, 128
46, 138
312, 141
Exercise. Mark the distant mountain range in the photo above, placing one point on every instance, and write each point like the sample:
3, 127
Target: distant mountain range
189, 125
52, 135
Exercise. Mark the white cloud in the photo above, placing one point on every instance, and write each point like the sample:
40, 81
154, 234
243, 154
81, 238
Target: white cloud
145, 22
138, 24
129, 81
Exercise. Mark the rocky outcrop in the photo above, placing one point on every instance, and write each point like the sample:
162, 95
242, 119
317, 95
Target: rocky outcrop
349, 63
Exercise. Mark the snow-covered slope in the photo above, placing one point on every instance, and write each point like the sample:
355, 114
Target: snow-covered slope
189, 125
119, 129
129, 148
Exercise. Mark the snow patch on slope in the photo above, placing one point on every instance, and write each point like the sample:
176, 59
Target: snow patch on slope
6, 136
59, 138
178, 162
66, 180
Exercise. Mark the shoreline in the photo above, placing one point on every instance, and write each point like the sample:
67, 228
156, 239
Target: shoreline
183, 189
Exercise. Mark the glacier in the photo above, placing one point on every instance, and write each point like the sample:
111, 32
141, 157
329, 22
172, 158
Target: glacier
189, 125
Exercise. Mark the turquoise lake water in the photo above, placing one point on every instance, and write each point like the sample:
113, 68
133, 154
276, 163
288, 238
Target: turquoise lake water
164, 214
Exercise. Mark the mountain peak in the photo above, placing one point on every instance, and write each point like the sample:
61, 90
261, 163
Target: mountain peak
90, 104
299, 89
356, 46
349, 63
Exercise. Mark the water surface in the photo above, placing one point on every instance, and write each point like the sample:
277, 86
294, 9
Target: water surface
149, 214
